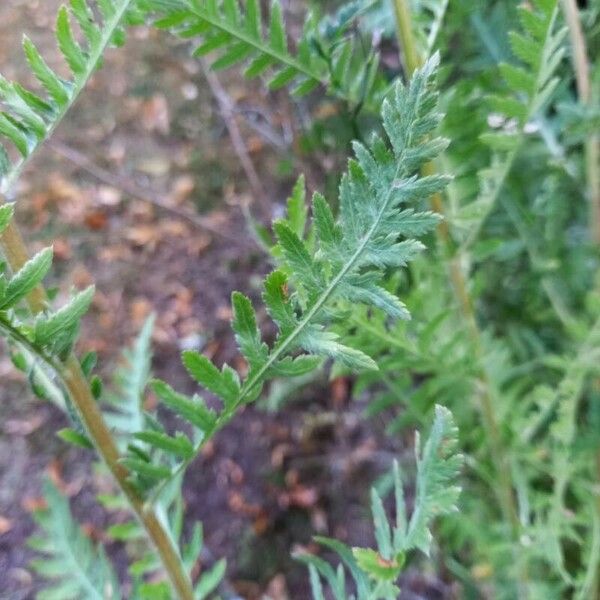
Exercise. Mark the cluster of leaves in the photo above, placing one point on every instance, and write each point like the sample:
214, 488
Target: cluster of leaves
341, 264
531, 271
72, 565
517, 135
27, 119
52, 333
324, 54
375, 572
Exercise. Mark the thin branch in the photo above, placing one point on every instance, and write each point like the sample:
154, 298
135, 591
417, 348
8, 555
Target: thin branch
132, 189
581, 66
226, 108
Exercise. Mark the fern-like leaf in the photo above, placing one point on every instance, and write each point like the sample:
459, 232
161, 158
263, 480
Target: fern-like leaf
28, 119
73, 566
130, 381
239, 35
539, 47
375, 572
343, 263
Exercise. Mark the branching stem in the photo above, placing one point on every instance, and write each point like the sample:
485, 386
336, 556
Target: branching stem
78, 388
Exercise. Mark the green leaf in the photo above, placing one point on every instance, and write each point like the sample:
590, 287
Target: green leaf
6, 214
210, 580
179, 445
277, 34
146, 470
29, 119
296, 208
225, 384
301, 263
277, 302
49, 80
125, 531
74, 437
10, 129
376, 566
246, 330
192, 410
27, 278
66, 42
325, 343
49, 327
130, 381
75, 567
326, 228
438, 466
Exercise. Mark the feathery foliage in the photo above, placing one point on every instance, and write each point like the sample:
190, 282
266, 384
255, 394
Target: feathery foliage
52, 333
530, 85
375, 572
344, 263
73, 566
527, 340
131, 379
238, 36
27, 119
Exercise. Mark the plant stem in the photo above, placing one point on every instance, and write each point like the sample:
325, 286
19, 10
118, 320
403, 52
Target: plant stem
78, 388
581, 67
404, 31
459, 284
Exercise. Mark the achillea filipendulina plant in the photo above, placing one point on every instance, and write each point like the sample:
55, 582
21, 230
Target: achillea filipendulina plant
500, 324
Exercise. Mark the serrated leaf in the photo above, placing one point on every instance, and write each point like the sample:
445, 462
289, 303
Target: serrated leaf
179, 445
49, 80
224, 384
50, 327
6, 214
27, 278
68, 45
246, 330
191, 410
296, 208
376, 566
74, 437
77, 569
438, 465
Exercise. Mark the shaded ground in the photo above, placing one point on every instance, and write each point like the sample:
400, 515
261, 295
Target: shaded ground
269, 482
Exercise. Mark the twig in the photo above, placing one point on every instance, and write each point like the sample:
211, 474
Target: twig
132, 189
581, 67
226, 108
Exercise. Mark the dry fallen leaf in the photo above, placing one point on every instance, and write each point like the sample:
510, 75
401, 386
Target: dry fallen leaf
5, 525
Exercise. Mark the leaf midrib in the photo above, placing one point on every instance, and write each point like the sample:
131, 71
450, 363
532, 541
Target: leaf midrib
318, 305
257, 44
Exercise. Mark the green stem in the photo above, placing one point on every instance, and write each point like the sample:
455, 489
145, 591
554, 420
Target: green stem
404, 30
76, 384
581, 66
